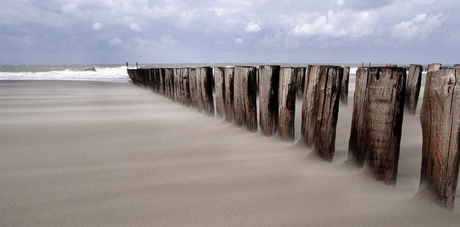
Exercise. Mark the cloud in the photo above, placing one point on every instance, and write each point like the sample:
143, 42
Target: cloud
71, 9
419, 27
238, 40
115, 42
339, 24
340, 2
252, 27
135, 27
97, 26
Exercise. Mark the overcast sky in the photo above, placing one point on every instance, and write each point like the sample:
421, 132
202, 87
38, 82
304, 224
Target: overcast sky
201, 31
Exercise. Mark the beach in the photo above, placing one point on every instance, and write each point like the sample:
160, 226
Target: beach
86, 153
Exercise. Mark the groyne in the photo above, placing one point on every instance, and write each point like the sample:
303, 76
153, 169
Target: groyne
380, 97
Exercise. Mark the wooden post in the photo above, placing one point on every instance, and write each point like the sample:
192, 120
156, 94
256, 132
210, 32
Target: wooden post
245, 97
132, 74
199, 89
193, 87
300, 81
169, 83
161, 83
440, 119
286, 101
177, 85
185, 87
228, 77
377, 122
434, 67
414, 80
219, 87
309, 105
269, 78
344, 88
206, 90
154, 80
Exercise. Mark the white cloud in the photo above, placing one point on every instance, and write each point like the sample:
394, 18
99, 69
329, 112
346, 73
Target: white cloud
252, 27
115, 42
340, 2
238, 40
421, 26
340, 24
71, 9
97, 26
135, 27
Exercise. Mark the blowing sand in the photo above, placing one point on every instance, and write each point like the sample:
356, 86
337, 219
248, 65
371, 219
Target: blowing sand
113, 154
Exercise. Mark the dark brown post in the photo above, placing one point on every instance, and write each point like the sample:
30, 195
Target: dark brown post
238, 96
250, 98
269, 78
161, 77
413, 83
185, 86
382, 115
344, 88
177, 85
206, 90
199, 90
300, 81
154, 80
169, 83
219, 88
286, 101
440, 119
434, 67
228, 77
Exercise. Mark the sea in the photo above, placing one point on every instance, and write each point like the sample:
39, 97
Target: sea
109, 72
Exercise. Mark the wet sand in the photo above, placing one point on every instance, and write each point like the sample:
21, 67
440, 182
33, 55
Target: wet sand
114, 154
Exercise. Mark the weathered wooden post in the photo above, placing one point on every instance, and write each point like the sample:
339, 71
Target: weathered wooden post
131, 73
344, 88
320, 108
228, 78
161, 83
185, 87
413, 83
219, 87
169, 82
286, 102
245, 97
434, 67
300, 80
193, 87
206, 90
154, 80
177, 85
440, 119
377, 122
269, 78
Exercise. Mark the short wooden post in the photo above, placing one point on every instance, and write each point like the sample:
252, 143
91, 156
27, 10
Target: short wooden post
228, 80
440, 119
269, 78
206, 90
434, 67
219, 88
344, 88
185, 87
413, 83
376, 134
300, 81
286, 101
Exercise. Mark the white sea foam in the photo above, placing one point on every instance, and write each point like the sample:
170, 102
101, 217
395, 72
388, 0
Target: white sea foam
95, 73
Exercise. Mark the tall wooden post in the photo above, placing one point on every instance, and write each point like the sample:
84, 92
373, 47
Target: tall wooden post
185, 86
219, 87
413, 83
344, 88
228, 80
206, 90
193, 87
377, 122
309, 105
286, 101
161, 83
440, 119
177, 85
154, 80
269, 78
169, 83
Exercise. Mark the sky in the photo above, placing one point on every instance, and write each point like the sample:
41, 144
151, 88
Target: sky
229, 31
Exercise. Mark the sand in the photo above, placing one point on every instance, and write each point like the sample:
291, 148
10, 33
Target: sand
114, 154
